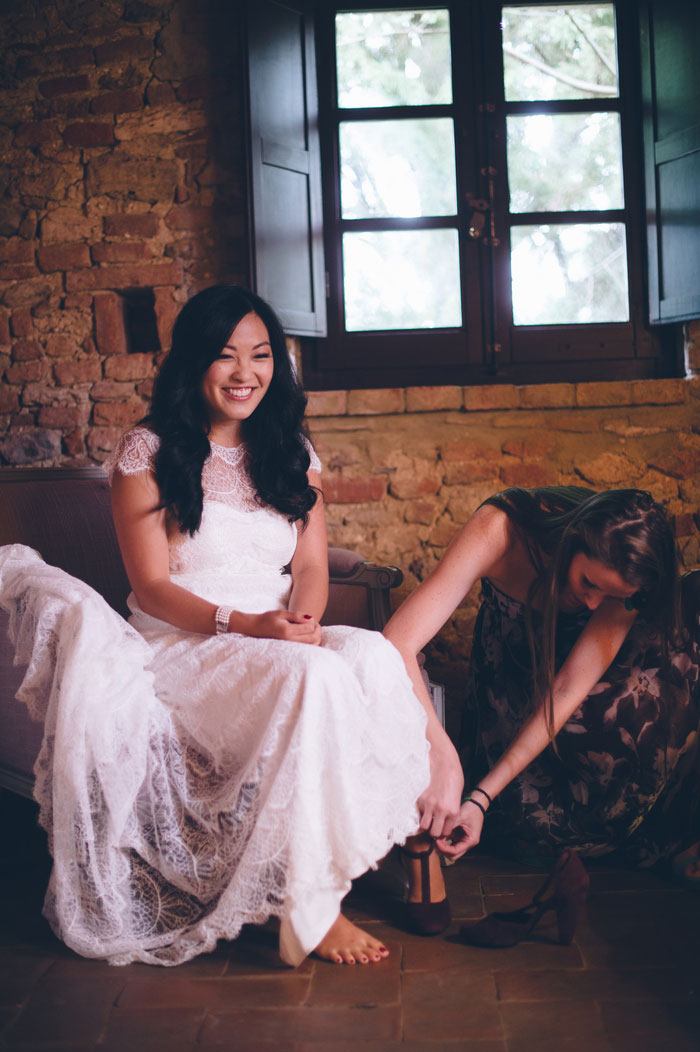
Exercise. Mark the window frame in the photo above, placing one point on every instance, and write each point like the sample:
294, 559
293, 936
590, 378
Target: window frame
595, 342
488, 348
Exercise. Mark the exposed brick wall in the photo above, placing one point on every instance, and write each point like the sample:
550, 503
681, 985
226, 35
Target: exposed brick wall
121, 140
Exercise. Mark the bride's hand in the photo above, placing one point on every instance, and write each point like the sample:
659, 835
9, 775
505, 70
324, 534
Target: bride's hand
439, 804
465, 834
284, 624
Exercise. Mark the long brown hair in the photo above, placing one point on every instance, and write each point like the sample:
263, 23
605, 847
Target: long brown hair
625, 529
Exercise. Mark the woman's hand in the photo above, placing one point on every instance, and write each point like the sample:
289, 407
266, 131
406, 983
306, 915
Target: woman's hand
280, 624
465, 834
439, 804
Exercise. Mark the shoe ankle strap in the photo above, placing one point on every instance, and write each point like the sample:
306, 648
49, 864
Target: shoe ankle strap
419, 854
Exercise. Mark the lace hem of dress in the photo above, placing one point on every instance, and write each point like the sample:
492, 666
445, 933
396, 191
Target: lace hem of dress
210, 788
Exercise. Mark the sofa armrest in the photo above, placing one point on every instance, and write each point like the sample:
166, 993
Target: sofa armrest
359, 590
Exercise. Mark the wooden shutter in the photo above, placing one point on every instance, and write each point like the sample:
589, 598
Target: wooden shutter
670, 31
287, 243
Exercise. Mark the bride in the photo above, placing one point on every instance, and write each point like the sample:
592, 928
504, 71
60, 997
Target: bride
229, 760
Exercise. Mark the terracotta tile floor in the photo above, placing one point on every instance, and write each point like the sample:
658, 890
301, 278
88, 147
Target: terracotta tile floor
629, 983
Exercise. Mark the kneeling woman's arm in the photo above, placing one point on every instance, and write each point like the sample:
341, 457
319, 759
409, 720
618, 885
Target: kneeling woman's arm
143, 540
593, 652
478, 547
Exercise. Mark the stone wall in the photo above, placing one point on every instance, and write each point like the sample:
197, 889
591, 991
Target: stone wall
124, 190
121, 145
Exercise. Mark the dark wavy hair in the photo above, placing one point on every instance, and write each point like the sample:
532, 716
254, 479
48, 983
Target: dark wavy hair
625, 529
274, 435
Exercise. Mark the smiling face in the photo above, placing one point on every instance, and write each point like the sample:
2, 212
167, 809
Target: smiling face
590, 581
236, 382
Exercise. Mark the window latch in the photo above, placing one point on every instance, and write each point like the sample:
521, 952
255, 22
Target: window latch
492, 239
477, 220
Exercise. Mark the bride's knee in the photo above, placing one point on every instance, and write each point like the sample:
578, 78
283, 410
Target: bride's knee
320, 663
348, 658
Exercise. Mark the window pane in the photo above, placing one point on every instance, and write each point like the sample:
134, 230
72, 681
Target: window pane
407, 279
397, 168
564, 162
569, 274
393, 58
559, 52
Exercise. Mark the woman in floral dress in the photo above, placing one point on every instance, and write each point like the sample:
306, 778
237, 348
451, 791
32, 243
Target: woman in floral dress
583, 707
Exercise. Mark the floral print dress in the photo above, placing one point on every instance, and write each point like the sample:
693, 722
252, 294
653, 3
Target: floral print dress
624, 775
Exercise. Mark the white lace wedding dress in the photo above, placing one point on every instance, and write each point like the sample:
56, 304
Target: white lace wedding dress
191, 784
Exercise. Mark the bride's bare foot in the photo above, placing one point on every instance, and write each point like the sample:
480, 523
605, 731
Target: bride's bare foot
345, 943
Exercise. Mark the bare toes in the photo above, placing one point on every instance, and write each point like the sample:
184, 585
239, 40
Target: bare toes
345, 943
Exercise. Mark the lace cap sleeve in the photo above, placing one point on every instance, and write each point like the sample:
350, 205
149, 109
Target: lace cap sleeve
314, 463
133, 452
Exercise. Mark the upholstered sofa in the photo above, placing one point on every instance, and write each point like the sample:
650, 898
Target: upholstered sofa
64, 513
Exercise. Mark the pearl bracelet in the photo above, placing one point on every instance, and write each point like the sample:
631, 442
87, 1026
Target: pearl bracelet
221, 617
